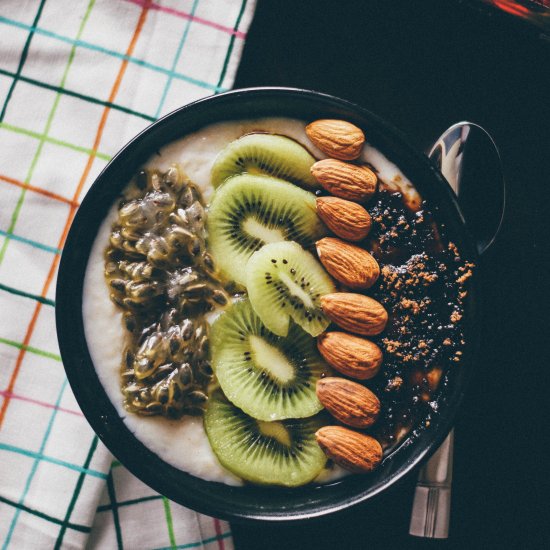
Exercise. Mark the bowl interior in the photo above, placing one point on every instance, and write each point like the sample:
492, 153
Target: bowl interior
250, 502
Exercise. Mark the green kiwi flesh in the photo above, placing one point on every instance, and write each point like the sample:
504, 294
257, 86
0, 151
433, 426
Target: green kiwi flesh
267, 453
250, 211
267, 154
285, 281
265, 375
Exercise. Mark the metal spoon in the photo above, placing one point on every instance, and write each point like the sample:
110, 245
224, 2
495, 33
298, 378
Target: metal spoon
468, 158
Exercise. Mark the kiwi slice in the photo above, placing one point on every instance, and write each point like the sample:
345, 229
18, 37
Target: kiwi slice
250, 211
285, 281
268, 377
268, 154
267, 453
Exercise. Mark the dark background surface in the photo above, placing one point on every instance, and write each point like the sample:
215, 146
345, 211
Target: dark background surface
424, 65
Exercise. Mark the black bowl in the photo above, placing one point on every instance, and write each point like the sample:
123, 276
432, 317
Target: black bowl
250, 502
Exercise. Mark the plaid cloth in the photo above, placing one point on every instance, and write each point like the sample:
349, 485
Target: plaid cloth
76, 83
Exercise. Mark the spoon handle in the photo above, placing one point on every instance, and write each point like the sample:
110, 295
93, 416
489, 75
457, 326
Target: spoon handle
432, 498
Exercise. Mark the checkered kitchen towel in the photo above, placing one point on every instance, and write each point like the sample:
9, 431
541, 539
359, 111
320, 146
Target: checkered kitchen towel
78, 79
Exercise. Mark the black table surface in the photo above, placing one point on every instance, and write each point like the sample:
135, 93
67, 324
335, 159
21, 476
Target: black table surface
424, 65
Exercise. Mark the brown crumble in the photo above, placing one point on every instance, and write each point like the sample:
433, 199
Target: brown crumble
455, 317
423, 286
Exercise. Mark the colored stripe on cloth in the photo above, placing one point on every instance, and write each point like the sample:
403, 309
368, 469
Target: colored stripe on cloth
40, 456
75, 85
37, 402
30, 242
76, 493
37, 513
54, 141
191, 17
40, 299
231, 44
169, 523
114, 504
22, 59
114, 509
176, 59
38, 190
77, 95
30, 349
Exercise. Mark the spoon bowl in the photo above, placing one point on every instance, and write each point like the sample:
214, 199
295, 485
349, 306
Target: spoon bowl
469, 159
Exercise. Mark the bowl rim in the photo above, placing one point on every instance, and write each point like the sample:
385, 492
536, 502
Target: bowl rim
76, 357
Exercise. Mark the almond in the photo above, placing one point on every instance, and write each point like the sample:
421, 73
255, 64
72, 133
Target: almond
346, 219
353, 356
351, 265
344, 180
349, 402
336, 138
355, 313
352, 450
